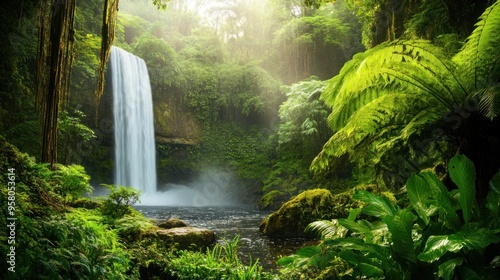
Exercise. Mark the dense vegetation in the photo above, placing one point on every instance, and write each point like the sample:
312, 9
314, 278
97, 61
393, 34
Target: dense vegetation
287, 95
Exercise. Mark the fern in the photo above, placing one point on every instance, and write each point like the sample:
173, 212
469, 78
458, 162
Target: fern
327, 229
479, 57
389, 96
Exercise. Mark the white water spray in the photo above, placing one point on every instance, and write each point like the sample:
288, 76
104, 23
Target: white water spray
135, 157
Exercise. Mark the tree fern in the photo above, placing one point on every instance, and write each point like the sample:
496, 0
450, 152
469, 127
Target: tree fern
398, 92
479, 58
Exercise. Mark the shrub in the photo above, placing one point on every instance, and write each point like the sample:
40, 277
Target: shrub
131, 227
220, 262
73, 182
118, 202
441, 234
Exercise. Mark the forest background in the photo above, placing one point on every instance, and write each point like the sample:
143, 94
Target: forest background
236, 87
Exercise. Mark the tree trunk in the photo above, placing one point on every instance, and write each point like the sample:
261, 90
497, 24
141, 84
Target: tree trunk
55, 58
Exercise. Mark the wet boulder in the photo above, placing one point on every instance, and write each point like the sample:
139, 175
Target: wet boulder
184, 237
294, 215
172, 223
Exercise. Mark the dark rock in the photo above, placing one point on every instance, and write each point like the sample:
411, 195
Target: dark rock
172, 223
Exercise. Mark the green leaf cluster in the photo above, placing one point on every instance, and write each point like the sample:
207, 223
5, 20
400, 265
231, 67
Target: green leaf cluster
51, 243
389, 98
220, 262
440, 234
119, 201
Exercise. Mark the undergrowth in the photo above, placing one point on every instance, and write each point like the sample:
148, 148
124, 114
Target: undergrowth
57, 237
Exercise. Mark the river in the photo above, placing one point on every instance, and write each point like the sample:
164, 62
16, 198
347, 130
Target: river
228, 222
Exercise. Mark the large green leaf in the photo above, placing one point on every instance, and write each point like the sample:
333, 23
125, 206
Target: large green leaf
377, 206
370, 267
350, 243
442, 199
472, 239
358, 227
387, 96
401, 226
300, 257
420, 194
495, 183
493, 200
447, 269
463, 174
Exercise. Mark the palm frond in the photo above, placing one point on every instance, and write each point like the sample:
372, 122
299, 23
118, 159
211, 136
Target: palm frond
327, 229
479, 58
392, 117
489, 102
406, 66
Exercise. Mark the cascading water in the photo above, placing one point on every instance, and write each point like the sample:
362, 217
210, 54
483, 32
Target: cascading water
135, 159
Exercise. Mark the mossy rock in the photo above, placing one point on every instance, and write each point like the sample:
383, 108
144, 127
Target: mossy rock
172, 223
293, 216
183, 238
85, 203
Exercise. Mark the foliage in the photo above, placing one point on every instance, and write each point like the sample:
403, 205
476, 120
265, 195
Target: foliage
303, 115
118, 202
21, 135
220, 262
83, 71
36, 196
69, 182
299, 38
441, 233
72, 133
161, 60
131, 227
18, 120
430, 21
55, 246
150, 257
387, 99
72, 181
70, 248
301, 133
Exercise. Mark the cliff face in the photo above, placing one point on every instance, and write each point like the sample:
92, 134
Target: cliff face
174, 124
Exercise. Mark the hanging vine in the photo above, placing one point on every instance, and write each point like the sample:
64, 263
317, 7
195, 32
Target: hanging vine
110, 13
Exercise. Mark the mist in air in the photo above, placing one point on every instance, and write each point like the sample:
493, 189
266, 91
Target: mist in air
212, 188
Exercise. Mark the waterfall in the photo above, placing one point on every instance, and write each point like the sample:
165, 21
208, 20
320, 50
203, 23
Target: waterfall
135, 159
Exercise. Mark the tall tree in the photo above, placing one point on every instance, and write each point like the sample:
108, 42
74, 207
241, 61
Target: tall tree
55, 58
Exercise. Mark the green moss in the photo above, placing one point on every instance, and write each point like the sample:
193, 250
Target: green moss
293, 217
312, 205
172, 223
85, 203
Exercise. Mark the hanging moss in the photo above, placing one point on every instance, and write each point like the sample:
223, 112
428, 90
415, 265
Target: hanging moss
110, 13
